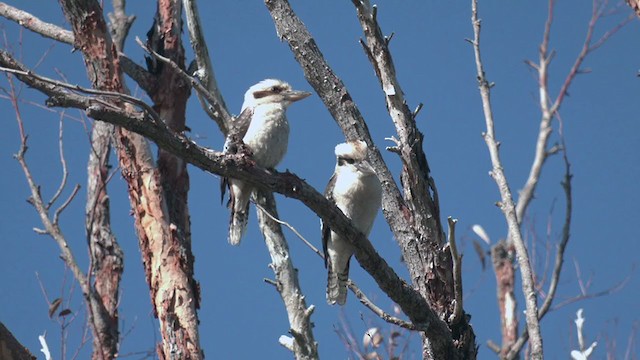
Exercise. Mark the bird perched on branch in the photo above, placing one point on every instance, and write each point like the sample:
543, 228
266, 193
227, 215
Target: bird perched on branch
355, 189
263, 127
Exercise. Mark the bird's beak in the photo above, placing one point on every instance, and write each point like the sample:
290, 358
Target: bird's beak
365, 167
295, 95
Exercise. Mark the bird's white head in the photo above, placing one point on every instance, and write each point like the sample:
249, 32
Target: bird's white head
272, 91
353, 155
356, 150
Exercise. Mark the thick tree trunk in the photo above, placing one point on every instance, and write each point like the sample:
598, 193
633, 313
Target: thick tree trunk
168, 269
106, 255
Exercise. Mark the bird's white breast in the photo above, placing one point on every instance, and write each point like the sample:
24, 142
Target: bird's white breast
268, 134
358, 195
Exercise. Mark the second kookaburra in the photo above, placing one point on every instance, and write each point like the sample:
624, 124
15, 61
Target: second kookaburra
355, 189
263, 127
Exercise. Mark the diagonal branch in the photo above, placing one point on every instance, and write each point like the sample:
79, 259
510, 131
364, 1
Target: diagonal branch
243, 168
36, 25
420, 195
340, 104
416, 169
352, 285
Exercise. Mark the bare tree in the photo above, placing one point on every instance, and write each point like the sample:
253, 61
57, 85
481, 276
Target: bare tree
158, 191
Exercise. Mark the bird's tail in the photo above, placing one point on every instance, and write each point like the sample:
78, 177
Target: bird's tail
239, 193
237, 226
337, 286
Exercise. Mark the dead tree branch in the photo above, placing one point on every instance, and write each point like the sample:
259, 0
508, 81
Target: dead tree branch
36, 25
54, 32
243, 168
457, 271
214, 106
420, 194
287, 284
352, 285
341, 106
549, 107
507, 204
559, 260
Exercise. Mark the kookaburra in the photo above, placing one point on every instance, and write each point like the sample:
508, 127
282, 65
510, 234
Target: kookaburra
263, 127
355, 189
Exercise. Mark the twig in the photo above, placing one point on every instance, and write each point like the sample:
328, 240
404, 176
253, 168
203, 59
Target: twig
65, 204
507, 204
378, 311
293, 229
52, 227
63, 162
457, 272
493, 346
585, 294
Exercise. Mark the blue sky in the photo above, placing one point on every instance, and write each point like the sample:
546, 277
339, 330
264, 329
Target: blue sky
241, 315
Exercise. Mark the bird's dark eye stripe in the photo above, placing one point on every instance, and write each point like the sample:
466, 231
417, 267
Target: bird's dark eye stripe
343, 160
276, 89
260, 94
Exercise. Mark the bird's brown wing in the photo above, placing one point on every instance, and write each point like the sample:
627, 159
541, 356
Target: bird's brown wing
237, 131
326, 231
241, 123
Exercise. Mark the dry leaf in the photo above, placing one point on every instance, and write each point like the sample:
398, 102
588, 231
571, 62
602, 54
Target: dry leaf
372, 337
54, 307
481, 253
479, 230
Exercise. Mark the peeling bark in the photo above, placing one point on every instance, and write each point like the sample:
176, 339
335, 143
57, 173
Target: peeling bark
107, 263
172, 293
502, 257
